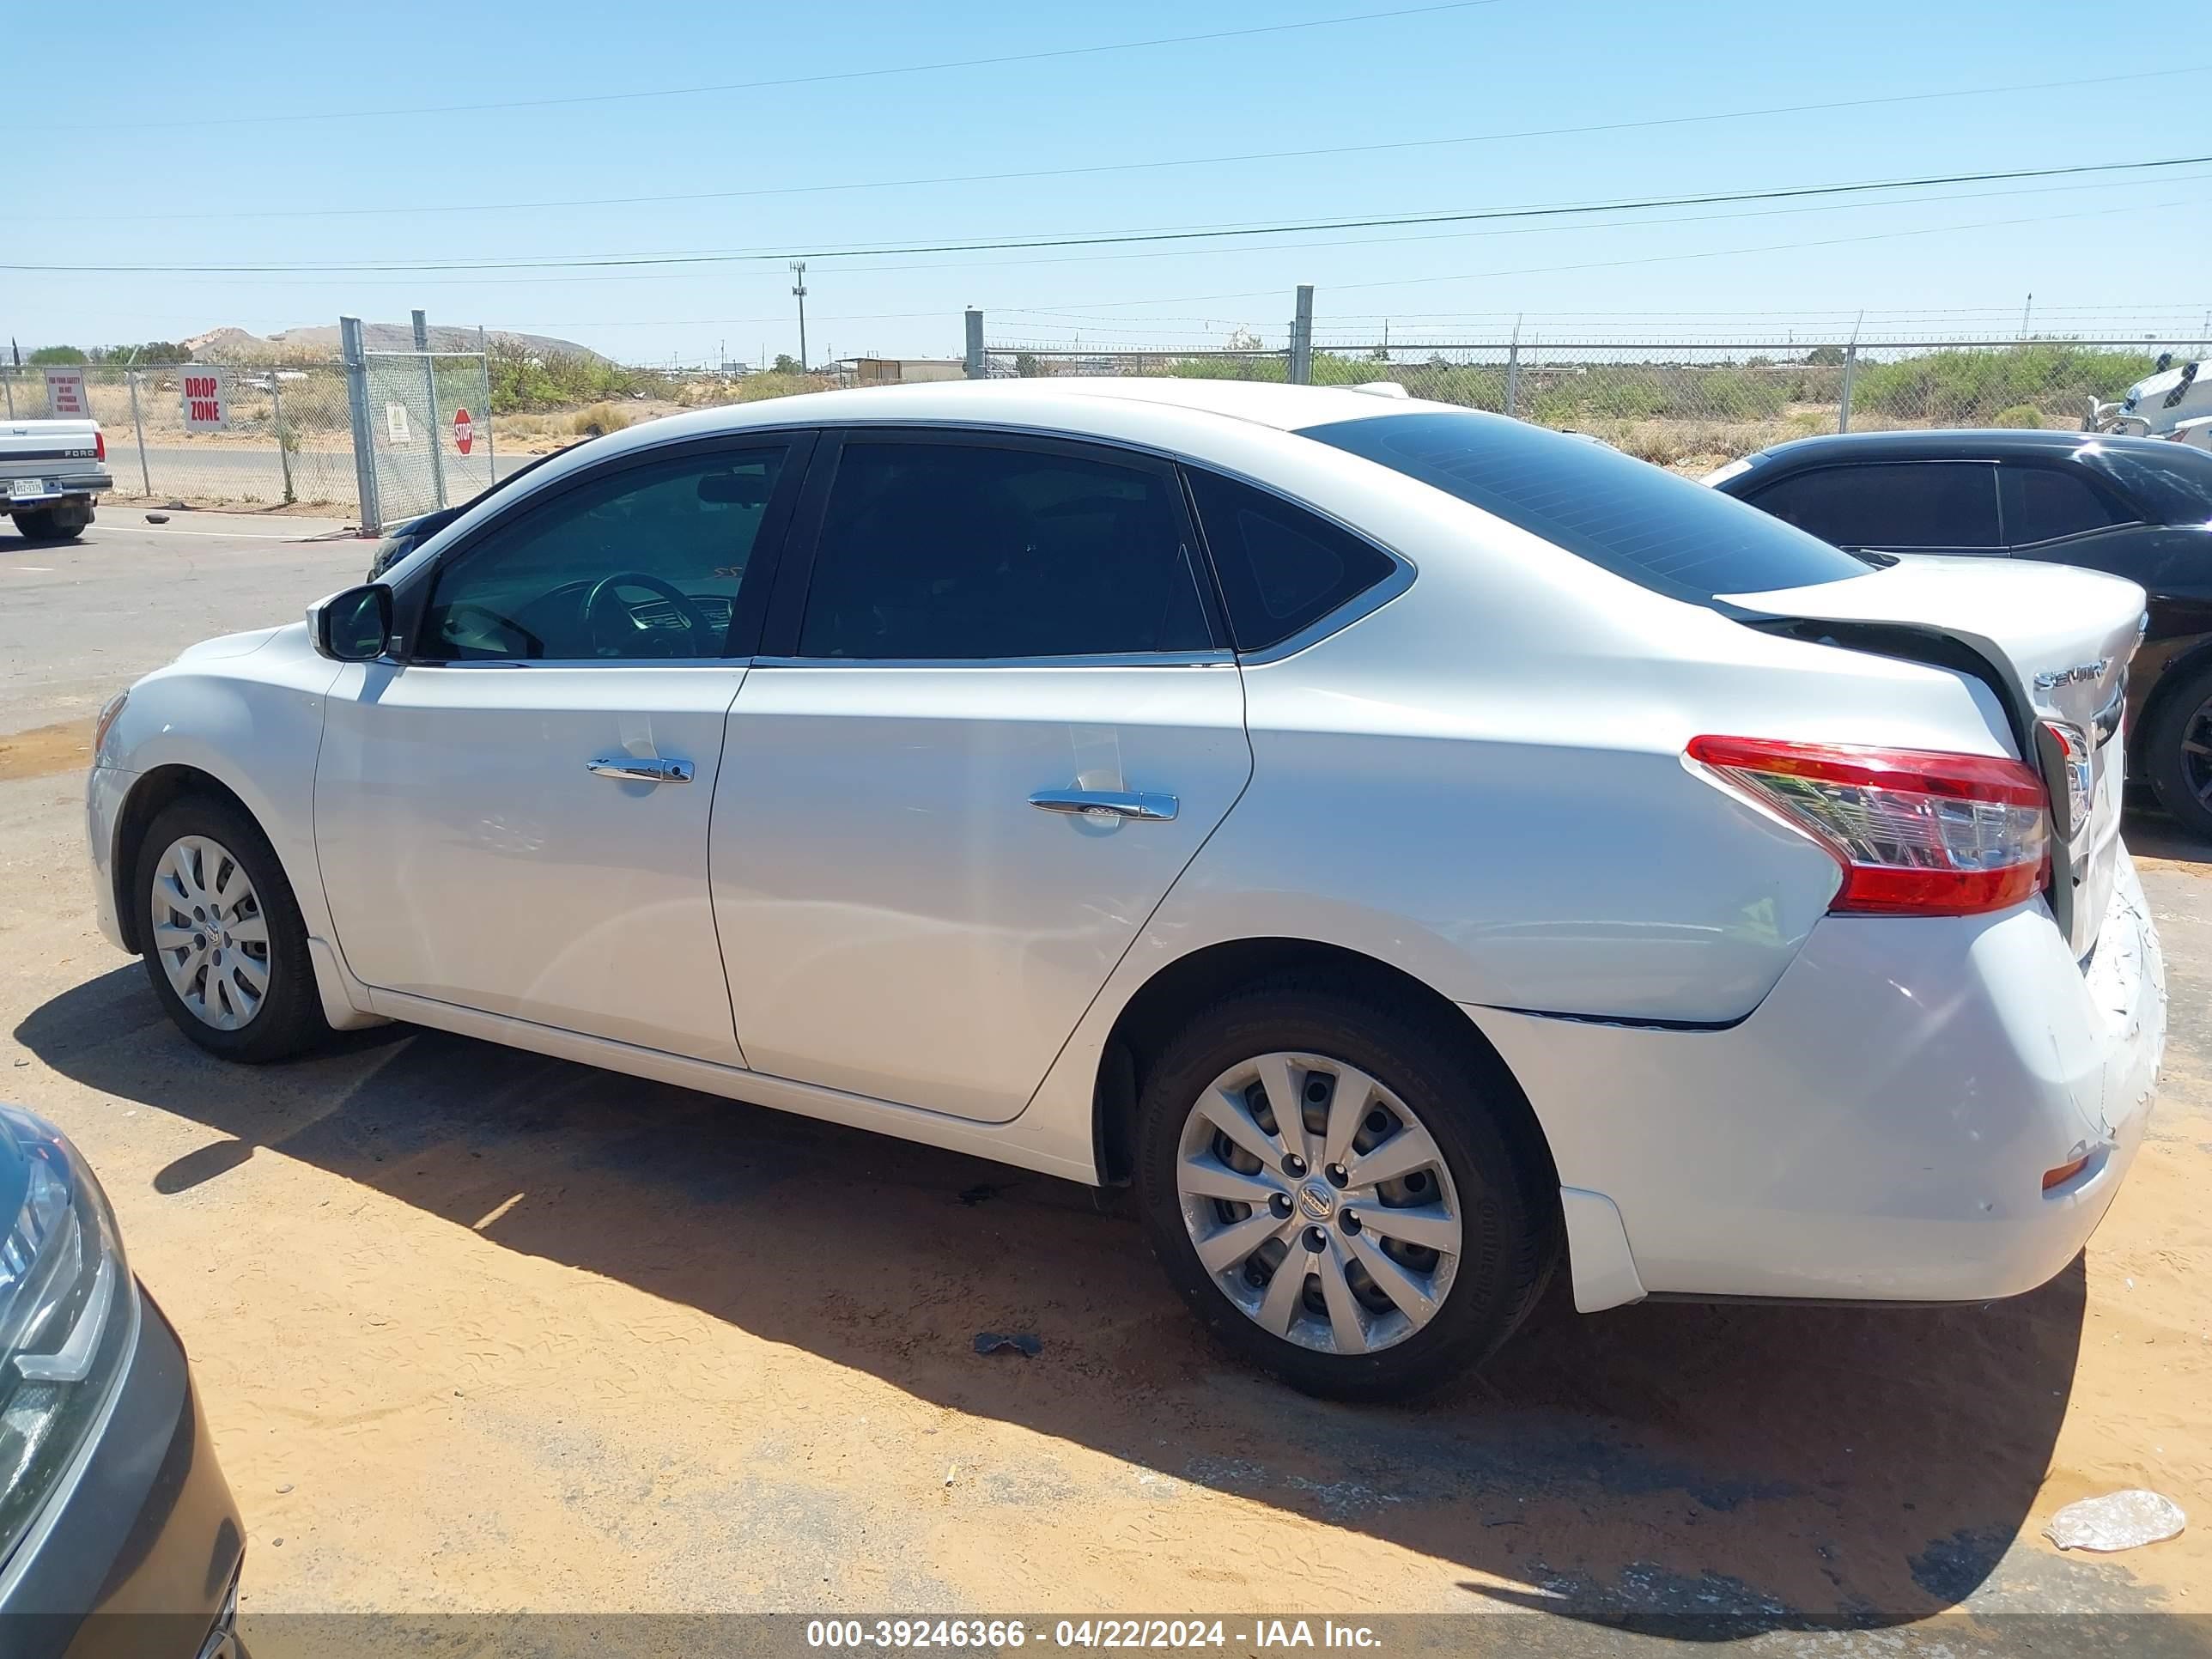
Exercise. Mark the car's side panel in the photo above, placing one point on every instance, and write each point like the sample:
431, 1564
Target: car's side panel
470, 854
898, 919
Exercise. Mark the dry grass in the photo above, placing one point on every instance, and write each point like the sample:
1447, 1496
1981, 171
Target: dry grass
596, 419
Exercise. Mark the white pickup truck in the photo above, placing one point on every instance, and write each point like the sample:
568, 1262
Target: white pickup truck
2175, 403
50, 471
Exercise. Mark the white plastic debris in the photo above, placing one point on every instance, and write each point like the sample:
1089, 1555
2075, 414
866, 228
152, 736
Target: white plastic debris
2118, 1521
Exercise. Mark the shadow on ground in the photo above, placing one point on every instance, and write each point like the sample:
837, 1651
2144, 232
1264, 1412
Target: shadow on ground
1736, 1467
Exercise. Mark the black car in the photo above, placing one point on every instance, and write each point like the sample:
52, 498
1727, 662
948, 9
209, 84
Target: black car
2138, 507
118, 1533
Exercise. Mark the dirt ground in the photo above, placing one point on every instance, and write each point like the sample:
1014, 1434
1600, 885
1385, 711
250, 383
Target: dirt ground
480, 1331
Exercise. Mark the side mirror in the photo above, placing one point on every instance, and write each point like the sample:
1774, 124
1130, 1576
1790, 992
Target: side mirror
353, 626
734, 488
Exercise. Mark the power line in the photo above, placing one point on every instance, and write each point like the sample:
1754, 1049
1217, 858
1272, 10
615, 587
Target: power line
1664, 258
644, 93
1203, 233
1236, 159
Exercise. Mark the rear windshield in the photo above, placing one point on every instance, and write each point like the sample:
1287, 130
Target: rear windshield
1624, 516
2173, 481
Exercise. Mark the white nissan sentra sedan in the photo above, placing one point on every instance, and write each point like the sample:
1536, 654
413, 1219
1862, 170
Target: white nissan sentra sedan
1414, 848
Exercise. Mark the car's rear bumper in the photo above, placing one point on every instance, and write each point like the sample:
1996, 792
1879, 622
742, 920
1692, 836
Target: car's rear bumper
140, 1554
1879, 1127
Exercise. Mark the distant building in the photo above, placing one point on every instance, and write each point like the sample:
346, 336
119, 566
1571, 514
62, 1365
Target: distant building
906, 371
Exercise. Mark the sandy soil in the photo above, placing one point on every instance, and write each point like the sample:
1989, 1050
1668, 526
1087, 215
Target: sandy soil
477, 1330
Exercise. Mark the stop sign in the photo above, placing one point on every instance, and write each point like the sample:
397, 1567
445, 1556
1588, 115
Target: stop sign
465, 431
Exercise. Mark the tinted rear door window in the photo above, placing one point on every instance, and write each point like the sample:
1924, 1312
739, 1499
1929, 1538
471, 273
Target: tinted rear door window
937, 551
2043, 503
1883, 504
1637, 520
1282, 568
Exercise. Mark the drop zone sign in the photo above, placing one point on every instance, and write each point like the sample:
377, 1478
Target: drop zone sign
207, 399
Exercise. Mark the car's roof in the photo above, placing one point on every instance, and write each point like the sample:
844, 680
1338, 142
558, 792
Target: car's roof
1073, 404
1965, 444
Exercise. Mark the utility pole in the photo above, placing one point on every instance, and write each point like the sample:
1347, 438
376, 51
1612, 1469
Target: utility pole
798, 288
2023, 312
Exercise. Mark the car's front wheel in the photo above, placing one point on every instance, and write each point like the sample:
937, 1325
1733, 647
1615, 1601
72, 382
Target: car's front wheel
225, 946
1343, 1194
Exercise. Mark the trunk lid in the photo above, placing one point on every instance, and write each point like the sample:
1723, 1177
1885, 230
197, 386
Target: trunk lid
2052, 642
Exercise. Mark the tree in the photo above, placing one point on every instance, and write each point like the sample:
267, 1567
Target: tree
57, 355
788, 364
153, 351
1826, 357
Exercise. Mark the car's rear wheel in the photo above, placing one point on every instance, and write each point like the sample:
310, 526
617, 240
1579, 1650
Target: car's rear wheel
1342, 1194
2177, 753
62, 523
225, 946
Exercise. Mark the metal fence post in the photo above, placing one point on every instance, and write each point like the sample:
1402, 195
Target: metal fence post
483, 359
138, 431
1300, 365
1850, 373
277, 420
430, 406
364, 453
1513, 376
977, 369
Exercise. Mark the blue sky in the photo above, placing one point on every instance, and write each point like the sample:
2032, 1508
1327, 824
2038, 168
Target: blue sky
143, 146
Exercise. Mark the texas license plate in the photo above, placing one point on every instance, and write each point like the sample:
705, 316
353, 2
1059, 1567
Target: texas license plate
27, 489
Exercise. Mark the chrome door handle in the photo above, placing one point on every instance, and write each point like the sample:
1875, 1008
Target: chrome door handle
633, 769
1110, 803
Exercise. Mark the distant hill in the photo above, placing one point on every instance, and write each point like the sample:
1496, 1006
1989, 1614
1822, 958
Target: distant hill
235, 345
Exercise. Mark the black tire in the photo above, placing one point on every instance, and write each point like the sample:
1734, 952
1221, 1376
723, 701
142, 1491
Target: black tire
50, 524
290, 1019
1472, 1108
2183, 716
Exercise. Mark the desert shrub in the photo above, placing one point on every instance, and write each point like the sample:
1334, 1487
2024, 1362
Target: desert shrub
600, 420
754, 387
2020, 414
1973, 387
522, 379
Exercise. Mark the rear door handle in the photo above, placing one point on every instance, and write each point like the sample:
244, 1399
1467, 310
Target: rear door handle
1110, 803
633, 769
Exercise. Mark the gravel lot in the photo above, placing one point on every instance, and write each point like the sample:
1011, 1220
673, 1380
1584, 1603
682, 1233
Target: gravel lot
479, 1331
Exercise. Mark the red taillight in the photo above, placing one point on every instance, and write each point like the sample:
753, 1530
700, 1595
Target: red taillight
98, 445
1917, 831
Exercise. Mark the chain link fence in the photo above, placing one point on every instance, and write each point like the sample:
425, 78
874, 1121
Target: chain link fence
274, 434
1687, 406
429, 430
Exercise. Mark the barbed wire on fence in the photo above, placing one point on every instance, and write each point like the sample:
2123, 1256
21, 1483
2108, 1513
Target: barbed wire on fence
1680, 403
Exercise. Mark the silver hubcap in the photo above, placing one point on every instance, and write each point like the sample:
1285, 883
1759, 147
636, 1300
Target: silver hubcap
1318, 1203
2197, 753
209, 934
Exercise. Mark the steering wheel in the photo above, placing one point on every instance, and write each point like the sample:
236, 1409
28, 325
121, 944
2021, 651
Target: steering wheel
696, 626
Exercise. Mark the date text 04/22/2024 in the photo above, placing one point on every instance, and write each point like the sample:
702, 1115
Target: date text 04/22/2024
1001, 1634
